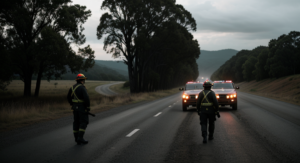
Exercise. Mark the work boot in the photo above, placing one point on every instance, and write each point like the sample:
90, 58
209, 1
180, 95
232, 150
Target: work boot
204, 139
80, 139
210, 137
76, 136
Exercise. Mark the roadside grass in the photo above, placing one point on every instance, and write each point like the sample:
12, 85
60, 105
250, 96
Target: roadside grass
118, 88
17, 111
286, 89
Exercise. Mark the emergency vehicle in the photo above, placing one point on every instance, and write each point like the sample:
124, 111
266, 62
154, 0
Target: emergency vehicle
190, 94
225, 92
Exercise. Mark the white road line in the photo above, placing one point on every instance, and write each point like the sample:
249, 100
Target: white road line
132, 132
170, 106
157, 114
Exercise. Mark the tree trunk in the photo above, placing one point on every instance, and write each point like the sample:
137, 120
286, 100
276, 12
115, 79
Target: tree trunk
27, 84
130, 75
38, 80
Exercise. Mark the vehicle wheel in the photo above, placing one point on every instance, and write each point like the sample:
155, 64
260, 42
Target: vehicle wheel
234, 106
184, 107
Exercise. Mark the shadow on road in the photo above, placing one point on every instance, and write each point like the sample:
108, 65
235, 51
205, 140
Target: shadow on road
225, 109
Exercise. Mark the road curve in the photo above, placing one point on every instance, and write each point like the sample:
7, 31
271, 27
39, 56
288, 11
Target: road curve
261, 130
104, 89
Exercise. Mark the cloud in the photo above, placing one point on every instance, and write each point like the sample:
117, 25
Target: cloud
221, 24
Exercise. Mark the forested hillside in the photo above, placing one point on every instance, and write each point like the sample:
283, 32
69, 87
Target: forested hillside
98, 72
118, 66
280, 58
210, 61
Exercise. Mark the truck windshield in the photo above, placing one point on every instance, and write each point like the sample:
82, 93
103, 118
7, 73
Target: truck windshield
222, 86
193, 86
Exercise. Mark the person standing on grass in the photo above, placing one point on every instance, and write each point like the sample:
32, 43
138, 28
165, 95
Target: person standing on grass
207, 108
80, 102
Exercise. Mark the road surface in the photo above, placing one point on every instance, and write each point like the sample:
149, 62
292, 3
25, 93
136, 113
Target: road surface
261, 130
104, 89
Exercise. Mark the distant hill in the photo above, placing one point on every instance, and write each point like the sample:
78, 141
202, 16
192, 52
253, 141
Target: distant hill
99, 72
118, 66
210, 61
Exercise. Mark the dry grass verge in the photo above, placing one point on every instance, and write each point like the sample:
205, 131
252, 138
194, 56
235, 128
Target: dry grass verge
120, 89
17, 111
286, 89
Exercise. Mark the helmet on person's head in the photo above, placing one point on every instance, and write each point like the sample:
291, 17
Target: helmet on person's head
80, 77
207, 84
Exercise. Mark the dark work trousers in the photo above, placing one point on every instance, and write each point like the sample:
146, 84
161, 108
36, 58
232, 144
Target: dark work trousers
81, 120
203, 122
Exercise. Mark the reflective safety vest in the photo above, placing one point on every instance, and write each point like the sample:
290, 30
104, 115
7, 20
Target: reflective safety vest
76, 99
208, 103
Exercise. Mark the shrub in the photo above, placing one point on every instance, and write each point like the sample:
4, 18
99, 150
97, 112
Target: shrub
126, 84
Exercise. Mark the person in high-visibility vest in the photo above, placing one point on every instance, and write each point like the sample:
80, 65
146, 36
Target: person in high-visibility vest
80, 102
207, 108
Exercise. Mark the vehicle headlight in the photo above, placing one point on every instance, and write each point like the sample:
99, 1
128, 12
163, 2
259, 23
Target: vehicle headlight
231, 96
196, 96
217, 96
183, 96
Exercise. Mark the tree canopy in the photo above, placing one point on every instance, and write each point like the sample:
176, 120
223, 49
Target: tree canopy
38, 36
154, 39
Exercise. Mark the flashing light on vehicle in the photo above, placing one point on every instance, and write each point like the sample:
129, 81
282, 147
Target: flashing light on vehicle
228, 81
190, 82
219, 81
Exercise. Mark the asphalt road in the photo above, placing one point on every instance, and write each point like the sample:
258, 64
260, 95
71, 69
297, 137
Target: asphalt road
104, 89
261, 130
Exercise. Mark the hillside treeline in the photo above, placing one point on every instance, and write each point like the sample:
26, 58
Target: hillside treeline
153, 38
280, 58
36, 39
98, 72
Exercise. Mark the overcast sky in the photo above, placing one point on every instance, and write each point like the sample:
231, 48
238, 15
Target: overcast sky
221, 24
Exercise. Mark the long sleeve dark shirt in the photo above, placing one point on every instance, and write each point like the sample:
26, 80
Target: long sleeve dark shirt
211, 97
81, 93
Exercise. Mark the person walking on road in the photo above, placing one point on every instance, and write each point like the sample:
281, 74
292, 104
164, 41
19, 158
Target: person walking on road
207, 108
80, 102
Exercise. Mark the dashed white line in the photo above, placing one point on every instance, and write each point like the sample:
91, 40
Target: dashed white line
157, 114
132, 132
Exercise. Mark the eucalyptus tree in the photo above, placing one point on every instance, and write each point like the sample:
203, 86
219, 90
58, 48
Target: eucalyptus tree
284, 55
23, 22
129, 26
6, 70
175, 55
